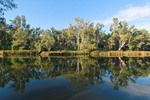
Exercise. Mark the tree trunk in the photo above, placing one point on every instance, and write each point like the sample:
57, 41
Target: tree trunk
124, 42
122, 62
78, 65
122, 45
49, 48
78, 41
97, 39
49, 59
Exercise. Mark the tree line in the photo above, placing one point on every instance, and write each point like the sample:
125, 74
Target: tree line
81, 35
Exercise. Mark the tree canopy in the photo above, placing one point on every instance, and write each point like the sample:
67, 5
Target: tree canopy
6, 5
81, 35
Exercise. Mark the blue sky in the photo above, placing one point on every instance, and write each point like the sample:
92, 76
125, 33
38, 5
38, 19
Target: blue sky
61, 13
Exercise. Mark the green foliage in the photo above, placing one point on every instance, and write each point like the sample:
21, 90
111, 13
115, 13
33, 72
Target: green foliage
140, 40
47, 40
120, 34
82, 35
83, 72
6, 5
21, 34
17, 52
5, 36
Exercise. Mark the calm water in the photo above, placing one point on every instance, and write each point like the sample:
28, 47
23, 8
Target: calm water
74, 78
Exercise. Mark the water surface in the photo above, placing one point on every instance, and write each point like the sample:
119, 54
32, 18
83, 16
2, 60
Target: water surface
75, 78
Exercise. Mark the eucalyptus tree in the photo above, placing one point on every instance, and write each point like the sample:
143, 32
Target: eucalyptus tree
71, 37
65, 39
74, 32
104, 41
77, 27
4, 36
47, 40
98, 32
85, 33
87, 36
120, 33
21, 34
35, 39
140, 40
56, 37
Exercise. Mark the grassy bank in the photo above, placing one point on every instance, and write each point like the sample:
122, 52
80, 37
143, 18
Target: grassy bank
13, 53
9, 53
120, 53
1, 53
17, 52
64, 53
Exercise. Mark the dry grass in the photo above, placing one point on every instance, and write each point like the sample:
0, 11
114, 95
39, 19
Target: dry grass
17, 52
64, 53
121, 53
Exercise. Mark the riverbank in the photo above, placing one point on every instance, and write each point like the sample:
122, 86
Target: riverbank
17, 52
120, 53
8, 53
64, 53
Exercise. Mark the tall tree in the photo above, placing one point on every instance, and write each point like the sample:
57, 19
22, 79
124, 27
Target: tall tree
77, 27
5, 36
98, 32
120, 33
21, 33
47, 40
35, 39
140, 40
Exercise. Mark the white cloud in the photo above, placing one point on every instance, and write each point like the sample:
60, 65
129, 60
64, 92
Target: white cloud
132, 13
141, 88
144, 25
137, 89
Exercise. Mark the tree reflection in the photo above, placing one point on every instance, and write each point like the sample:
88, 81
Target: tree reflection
83, 72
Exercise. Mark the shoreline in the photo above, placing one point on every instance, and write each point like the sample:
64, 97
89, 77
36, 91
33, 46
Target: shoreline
7, 53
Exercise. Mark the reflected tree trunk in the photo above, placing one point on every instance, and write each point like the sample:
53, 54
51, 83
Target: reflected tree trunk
78, 65
49, 59
122, 62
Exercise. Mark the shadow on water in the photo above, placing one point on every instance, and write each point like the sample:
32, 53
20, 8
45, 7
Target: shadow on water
82, 71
